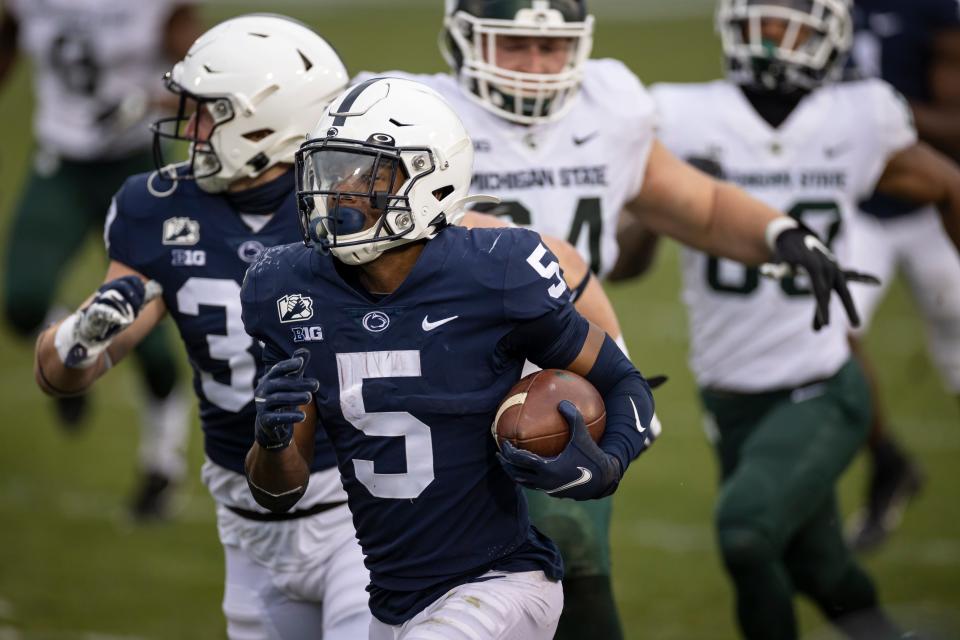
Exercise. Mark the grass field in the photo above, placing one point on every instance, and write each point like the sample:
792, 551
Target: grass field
71, 567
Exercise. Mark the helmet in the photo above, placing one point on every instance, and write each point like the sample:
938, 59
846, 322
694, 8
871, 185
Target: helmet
471, 29
264, 80
817, 37
387, 145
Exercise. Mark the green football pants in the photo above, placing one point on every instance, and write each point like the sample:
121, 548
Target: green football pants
56, 213
778, 526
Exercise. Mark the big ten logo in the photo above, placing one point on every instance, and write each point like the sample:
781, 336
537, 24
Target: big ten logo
188, 257
307, 334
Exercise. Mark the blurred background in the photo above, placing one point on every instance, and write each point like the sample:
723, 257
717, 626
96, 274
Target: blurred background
73, 566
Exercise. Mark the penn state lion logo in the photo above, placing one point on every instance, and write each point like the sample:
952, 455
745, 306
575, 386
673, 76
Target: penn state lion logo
295, 307
376, 321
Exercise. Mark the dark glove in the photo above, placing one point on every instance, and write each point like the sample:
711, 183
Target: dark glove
277, 398
800, 248
582, 471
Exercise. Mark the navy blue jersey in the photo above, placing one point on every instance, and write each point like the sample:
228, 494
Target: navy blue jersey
409, 385
894, 41
198, 248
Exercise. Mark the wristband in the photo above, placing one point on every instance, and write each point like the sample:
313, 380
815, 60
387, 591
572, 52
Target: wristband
775, 227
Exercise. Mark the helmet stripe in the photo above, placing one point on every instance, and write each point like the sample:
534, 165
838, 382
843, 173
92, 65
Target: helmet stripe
348, 101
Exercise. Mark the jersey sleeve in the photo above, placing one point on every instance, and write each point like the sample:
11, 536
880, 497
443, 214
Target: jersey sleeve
117, 231
252, 297
533, 283
547, 329
891, 128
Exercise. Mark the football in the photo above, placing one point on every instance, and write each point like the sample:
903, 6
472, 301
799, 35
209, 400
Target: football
529, 419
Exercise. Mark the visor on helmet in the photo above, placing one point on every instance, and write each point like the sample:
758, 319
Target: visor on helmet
351, 193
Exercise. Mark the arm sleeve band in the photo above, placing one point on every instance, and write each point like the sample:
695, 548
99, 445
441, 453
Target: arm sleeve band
628, 401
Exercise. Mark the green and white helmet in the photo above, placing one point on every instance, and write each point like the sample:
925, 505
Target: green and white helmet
818, 35
471, 29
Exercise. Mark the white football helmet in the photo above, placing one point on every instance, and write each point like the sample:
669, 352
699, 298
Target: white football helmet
264, 79
817, 36
389, 148
471, 29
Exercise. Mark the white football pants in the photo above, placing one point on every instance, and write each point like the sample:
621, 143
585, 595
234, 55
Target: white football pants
291, 579
504, 606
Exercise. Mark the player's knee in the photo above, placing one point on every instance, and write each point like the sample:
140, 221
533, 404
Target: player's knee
837, 587
744, 547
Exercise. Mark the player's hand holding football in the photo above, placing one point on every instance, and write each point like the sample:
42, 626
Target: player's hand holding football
582, 471
83, 336
799, 248
277, 397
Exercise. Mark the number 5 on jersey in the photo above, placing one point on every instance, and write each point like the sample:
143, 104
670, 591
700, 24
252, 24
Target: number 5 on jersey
549, 271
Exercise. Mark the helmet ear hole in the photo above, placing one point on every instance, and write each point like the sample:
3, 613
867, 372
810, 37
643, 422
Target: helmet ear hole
307, 65
443, 192
258, 135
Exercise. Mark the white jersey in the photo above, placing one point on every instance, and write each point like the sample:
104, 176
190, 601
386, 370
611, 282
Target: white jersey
750, 333
94, 63
569, 178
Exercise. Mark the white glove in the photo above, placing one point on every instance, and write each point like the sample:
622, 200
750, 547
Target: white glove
84, 335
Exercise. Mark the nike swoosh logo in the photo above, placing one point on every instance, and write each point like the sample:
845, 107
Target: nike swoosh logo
837, 150
587, 138
636, 416
585, 477
430, 326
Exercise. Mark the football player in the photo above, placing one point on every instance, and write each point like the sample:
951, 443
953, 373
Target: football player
915, 46
248, 89
91, 64
568, 143
787, 407
417, 329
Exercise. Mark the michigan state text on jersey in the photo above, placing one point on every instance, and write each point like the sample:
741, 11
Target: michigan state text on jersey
788, 408
748, 333
566, 179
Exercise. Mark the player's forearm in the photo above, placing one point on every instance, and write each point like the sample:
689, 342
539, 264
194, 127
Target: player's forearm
277, 479
54, 377
738, 225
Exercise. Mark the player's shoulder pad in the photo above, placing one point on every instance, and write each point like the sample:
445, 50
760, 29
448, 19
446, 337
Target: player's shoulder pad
273, 269
674, 100
515, 263
611, 83
889, 115
144, 195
